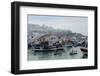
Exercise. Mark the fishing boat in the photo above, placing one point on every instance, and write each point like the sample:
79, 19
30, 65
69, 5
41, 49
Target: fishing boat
45, 47
83, 49
74, 52
85, 55
85, 52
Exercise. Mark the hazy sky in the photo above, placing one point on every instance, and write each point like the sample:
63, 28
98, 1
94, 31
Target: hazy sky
74, 23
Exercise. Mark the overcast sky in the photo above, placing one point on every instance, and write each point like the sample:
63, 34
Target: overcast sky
74, 23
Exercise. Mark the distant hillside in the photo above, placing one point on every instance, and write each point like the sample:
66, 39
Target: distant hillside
35, 31
46, 29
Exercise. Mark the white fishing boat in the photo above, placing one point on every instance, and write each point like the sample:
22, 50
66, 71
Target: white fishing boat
73, 52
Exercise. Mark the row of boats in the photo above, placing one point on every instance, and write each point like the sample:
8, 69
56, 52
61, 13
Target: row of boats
44, 47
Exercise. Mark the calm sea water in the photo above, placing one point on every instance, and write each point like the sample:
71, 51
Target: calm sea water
65, 54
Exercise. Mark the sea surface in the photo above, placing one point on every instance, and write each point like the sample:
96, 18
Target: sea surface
52, 55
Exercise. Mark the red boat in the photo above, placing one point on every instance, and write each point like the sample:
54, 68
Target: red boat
84, 49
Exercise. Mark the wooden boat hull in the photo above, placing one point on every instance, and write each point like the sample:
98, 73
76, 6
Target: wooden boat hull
48, 50
84, 49
73, 53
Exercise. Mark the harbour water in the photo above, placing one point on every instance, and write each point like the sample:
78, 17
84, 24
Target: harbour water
63, 54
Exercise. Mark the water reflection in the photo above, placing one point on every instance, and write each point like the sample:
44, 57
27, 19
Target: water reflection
54, 55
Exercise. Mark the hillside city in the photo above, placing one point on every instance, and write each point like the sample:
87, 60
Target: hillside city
36, 33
